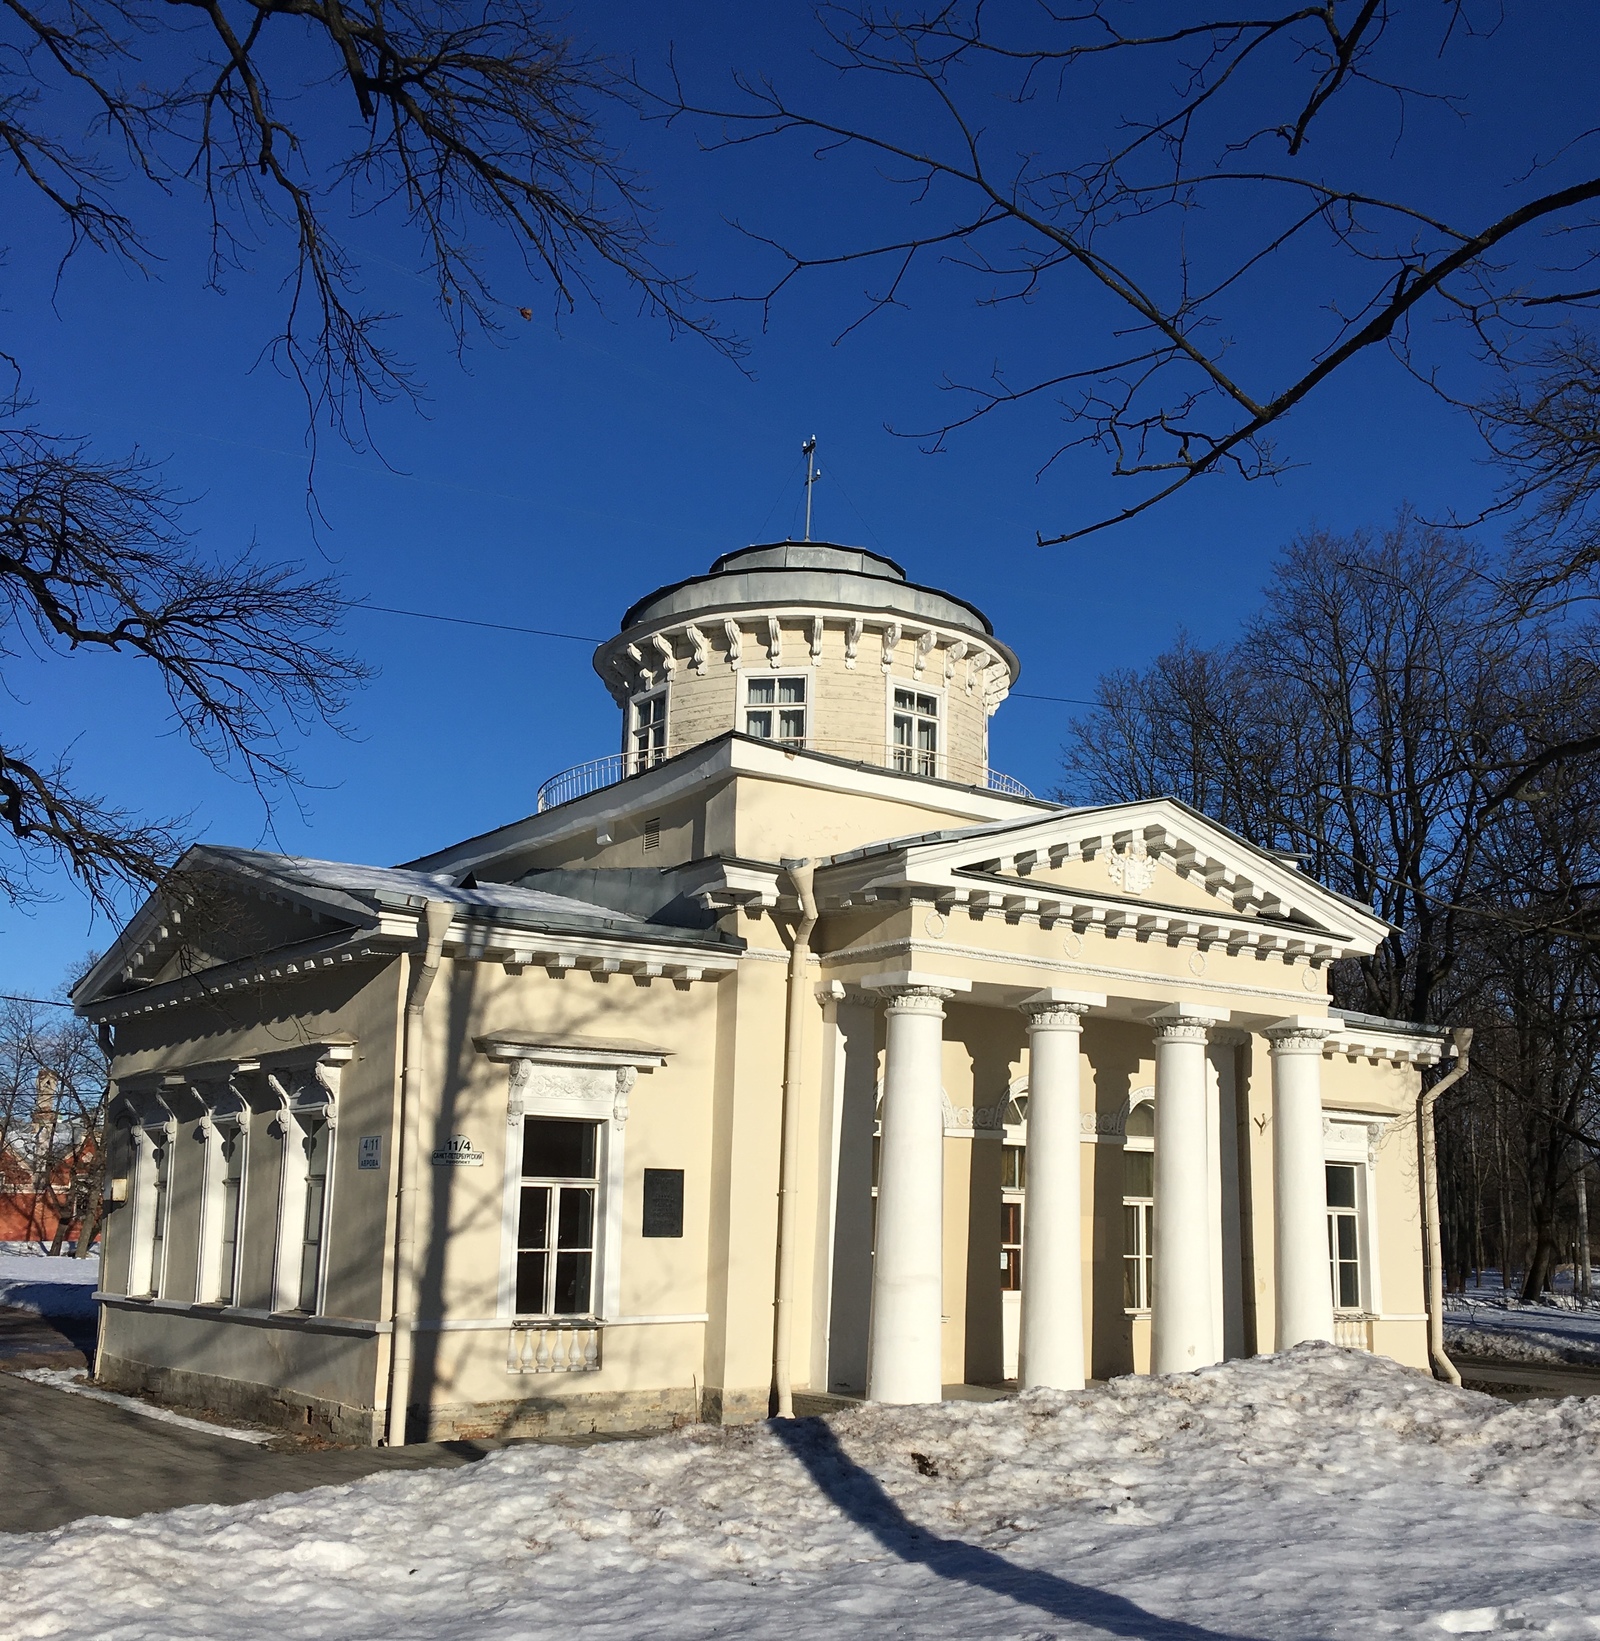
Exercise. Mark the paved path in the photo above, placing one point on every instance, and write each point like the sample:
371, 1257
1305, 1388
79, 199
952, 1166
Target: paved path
64, 1456
1522, 1381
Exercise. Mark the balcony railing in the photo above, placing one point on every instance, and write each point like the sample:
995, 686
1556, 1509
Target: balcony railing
597, 773
556, 1344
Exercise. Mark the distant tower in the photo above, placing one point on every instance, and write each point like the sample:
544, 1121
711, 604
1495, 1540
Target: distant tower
45, 1085
818, 647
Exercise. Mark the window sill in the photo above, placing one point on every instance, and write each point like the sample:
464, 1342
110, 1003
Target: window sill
213, 1312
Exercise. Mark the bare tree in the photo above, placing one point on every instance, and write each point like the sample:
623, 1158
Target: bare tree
1376, 720
92, 557
1360, 723
460, 122
1145, 179
468, 116
53, 1093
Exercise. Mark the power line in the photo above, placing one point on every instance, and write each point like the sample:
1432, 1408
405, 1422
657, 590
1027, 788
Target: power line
44, 1002
467, 621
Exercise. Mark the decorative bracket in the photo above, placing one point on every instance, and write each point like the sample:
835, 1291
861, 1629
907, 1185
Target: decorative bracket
925, 642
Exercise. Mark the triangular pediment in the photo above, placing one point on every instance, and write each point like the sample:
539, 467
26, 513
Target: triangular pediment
1153, 864
218, 907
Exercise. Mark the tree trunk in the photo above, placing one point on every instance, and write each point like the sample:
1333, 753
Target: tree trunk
1581, 1286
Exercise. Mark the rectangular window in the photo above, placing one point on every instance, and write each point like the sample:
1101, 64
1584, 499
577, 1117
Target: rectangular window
232, 1137
1013, 1168
775, 709
1011, 1245
315, 1142
1138, 1228
160, 1201
1344, 1237
649, 731
663, 1202
916, 732
556, 1218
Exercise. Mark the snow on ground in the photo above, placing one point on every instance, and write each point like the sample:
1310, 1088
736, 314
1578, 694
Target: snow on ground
31, 1281
1559, 1329
1319, 1494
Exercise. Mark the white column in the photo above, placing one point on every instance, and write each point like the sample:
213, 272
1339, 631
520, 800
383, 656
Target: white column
1052, 1255
1299, 1182
1182, 1329
905, 1339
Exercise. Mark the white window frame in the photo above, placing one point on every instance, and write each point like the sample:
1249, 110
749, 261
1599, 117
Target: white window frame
1354, 1215
742, 706
941, 695
1014, 1137
556, 1081
293, 1183
146, 1271
1344, 1144
555, 1184
213, 1266
1145, 1144
634, 759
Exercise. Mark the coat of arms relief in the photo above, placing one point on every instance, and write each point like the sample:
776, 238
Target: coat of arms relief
1132, 868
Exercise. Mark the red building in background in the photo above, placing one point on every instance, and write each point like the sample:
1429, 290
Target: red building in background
43, 1175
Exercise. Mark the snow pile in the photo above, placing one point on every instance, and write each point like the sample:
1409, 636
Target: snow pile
1322, 1493
1519, 1345
60, 1287
1560, 1331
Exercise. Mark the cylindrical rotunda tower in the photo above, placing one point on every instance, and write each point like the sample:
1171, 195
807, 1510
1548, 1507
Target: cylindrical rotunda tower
819, 648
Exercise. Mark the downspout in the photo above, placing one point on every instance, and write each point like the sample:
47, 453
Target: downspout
1433, 1246
800, 874
436, 917
108, 1048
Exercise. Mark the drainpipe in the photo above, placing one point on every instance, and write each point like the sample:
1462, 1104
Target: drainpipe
436, 917
1433, 1247
801, 873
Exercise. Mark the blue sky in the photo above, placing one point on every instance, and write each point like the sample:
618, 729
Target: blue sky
556, 476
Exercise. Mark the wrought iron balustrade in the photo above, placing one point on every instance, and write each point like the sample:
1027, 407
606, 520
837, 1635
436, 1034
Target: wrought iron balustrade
598, 773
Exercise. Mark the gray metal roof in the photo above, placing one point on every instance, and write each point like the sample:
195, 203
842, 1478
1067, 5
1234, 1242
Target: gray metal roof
399, 886
811, 573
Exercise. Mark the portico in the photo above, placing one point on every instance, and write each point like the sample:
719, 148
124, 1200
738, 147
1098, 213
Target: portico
1197, 1233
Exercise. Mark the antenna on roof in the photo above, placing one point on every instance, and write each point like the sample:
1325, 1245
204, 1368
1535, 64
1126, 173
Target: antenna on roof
813, 473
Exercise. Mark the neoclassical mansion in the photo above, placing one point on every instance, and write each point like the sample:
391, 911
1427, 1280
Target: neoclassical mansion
791, 1052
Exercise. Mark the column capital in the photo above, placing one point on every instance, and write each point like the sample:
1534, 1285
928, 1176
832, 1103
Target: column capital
899, 984
1187, 1022
914, 999
1060, 1009
1299, 1034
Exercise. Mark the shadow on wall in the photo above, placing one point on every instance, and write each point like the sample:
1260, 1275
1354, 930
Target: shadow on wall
859, 1496
454, 1211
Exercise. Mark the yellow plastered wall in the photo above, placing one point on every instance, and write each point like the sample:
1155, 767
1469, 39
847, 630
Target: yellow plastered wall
461, 1229
849, 704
